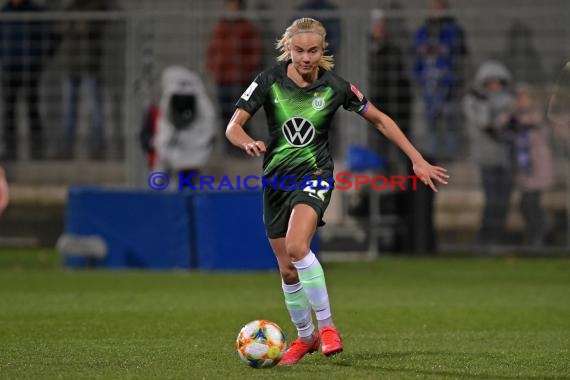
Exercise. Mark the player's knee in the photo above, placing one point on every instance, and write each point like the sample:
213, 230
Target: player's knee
289, 275
296, 250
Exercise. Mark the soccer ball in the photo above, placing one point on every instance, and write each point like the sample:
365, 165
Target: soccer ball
261, 344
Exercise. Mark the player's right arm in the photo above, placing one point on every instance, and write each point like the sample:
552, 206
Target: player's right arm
237, 135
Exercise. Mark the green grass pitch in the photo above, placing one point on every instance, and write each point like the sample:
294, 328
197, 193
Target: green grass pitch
404, 318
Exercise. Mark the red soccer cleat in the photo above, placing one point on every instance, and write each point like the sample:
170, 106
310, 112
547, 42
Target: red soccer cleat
331, 341
299, 349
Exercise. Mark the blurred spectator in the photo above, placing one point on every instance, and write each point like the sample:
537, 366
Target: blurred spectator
4, 192
182, 127
521, 57
310, 8
234, 55
533, 163
24, 49
265, 24
488, 108
82, 51
388, 80
390, 89
399, 31
440, 57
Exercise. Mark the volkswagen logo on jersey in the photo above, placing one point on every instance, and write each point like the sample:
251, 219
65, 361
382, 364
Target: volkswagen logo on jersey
299, 132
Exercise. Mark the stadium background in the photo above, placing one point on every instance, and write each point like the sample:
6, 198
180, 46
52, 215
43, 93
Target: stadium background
144, 37
444, 317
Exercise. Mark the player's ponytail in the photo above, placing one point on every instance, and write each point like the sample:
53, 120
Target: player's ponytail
304, 25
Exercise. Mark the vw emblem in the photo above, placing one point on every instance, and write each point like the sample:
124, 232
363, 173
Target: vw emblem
299, 132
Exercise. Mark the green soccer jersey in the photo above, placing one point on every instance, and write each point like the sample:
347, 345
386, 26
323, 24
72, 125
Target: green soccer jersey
299, 120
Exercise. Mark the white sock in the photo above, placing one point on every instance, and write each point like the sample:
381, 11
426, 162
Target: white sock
299, 309
312, 278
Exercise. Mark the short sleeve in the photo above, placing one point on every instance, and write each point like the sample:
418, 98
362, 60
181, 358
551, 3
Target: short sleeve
354, 100
254, 96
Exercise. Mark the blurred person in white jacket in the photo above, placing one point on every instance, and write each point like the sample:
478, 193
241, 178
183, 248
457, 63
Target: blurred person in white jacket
185, 124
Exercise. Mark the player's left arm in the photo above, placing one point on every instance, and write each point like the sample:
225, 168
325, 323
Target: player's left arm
390, 129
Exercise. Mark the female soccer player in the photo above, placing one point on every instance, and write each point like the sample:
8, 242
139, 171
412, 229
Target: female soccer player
300, 96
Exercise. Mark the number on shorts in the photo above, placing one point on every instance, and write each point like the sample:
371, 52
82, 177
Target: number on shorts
317, 189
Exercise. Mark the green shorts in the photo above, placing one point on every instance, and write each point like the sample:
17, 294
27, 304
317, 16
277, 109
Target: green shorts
278, 204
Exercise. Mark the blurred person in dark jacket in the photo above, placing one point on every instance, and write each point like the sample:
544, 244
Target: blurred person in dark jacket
234, 54
82, 51
521, 57
310, 8
390, 87
25, 46
388, 80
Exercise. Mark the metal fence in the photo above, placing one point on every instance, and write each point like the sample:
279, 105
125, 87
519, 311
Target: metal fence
100, 71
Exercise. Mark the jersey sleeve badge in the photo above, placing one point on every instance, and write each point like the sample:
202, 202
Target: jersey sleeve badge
249, 91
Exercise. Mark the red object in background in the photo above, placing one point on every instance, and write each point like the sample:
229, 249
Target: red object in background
148, 132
